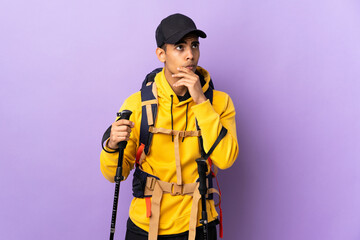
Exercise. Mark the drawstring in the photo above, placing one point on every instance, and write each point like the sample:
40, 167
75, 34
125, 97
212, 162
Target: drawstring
187, 106
172, 121
172, 118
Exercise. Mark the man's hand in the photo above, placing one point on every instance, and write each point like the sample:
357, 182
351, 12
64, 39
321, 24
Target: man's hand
120, 131
192, 82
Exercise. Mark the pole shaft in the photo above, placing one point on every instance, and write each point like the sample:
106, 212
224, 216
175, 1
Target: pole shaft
202, 169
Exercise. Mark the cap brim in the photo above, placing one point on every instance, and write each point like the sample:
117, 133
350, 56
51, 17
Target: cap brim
178, 36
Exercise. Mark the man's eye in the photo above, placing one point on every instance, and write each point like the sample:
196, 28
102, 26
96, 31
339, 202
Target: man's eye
195, 46
179, 47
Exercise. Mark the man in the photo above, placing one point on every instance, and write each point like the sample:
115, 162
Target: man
169, 160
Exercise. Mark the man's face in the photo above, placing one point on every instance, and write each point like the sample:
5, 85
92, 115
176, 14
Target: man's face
184, 53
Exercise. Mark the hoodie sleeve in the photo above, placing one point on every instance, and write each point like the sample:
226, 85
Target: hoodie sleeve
109, 161
211, 118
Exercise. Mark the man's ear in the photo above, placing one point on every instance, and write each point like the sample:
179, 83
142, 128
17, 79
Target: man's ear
160, 53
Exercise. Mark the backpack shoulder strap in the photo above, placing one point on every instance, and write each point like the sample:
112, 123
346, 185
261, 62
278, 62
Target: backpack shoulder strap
149, 105
209, 95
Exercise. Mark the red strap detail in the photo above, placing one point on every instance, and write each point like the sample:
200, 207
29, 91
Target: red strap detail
221, 233
210, 162
221, 215
210, 166
148, 206
138, 154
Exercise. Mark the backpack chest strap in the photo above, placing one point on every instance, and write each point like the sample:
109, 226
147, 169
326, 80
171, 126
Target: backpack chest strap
177, 135
175, 132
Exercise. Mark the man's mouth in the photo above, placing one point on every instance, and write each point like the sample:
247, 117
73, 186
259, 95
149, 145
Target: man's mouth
191, 67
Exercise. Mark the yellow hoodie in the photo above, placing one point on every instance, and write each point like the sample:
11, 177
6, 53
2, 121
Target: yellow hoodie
175, 210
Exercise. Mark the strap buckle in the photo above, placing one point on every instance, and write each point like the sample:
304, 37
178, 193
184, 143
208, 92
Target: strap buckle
150, 183
176, 189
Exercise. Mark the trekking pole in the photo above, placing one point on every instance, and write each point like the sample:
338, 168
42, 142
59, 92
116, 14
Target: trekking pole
118, 177
202, 169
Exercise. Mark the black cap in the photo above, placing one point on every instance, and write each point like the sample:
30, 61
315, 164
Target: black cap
174, 27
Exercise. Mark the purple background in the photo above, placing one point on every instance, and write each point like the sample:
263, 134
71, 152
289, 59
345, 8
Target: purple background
291, 68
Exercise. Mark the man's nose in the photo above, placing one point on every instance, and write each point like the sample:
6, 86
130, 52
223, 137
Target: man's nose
189, 54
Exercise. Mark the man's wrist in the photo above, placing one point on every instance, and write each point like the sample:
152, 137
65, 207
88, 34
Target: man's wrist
107, 145
200, 100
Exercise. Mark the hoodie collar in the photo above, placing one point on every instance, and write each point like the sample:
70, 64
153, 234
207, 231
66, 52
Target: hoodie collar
165, 91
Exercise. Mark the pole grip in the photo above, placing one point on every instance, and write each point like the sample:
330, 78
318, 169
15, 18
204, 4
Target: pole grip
202, 169
125, 114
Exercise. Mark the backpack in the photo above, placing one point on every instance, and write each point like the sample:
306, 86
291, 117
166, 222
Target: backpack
146, 185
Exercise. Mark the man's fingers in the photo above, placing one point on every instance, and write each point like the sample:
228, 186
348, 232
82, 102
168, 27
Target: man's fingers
121, 134
114, 141
124, 122
123, 128
116, 137
183, 82
184, 75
